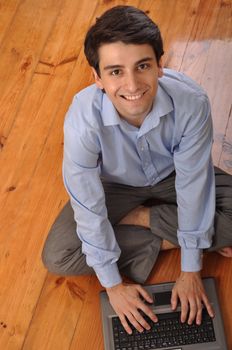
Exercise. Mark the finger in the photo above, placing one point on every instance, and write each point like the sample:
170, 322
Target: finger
193, 310
136, 322
148, 312
184, 309
125, 324
208, 306
174, 299
141, 321
199, 312
144, 293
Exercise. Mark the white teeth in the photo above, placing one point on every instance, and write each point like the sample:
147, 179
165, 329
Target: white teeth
133, 97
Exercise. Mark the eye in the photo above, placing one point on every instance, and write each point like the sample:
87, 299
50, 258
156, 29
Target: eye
115, 72
143, 66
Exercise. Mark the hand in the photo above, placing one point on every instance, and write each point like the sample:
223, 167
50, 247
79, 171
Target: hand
125, 300
190, 290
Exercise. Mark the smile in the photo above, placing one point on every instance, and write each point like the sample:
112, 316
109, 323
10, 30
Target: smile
133, 97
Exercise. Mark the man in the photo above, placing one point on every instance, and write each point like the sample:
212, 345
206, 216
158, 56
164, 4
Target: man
138, 169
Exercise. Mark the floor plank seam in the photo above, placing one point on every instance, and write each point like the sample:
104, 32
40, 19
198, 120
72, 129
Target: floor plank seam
34, 311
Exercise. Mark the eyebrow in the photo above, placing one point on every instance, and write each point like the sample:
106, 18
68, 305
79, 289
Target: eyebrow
116, 66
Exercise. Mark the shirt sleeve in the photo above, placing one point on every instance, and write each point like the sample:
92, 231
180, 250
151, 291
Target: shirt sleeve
195, 187
81, 176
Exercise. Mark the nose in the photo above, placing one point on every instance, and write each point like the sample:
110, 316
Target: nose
131, 82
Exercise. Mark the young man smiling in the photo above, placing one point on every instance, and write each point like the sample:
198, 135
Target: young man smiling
132, 83
138, 169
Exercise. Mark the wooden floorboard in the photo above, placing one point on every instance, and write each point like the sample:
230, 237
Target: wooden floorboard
20, 49
8, 9
63, 301
31, 167
42, 65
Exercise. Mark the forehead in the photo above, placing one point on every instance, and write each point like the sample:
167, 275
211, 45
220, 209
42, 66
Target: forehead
124, 54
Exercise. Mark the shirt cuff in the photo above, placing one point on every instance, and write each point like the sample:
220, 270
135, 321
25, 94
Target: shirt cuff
191, 260
108, 275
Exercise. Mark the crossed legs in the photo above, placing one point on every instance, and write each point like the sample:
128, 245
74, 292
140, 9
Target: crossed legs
140, 216
140, 231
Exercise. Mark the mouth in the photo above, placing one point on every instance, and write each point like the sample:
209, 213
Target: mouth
134, 97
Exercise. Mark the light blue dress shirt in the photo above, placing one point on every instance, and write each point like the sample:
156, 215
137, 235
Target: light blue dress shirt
175, 135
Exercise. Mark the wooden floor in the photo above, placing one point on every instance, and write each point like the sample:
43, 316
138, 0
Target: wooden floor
41, 67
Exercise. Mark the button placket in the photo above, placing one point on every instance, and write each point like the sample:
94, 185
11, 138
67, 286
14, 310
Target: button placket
145, 157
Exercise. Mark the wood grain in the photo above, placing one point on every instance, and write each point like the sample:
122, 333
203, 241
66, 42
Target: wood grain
20, 49
8, 9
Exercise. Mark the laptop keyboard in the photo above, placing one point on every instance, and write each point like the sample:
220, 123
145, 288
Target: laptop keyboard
167, 332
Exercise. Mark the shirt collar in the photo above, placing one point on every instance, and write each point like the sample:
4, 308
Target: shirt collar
162, 106
109, 113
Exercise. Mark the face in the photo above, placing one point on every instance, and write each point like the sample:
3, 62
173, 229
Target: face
129, 75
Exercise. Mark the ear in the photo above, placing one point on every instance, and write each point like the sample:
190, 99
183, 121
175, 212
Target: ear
97, 79
160, 68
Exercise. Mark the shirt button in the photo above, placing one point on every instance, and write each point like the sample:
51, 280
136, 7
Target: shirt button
142, 149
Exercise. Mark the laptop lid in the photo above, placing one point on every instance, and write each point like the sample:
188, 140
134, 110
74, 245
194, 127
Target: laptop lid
161, 294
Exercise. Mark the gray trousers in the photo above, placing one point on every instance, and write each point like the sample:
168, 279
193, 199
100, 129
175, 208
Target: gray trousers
140, 246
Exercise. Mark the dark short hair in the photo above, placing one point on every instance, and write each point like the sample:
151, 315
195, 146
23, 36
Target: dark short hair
127, 24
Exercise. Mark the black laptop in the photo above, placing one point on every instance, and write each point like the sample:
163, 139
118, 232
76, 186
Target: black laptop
169, 332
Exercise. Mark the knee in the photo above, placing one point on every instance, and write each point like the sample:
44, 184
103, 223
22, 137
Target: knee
66, 261
51, 261
56, 259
